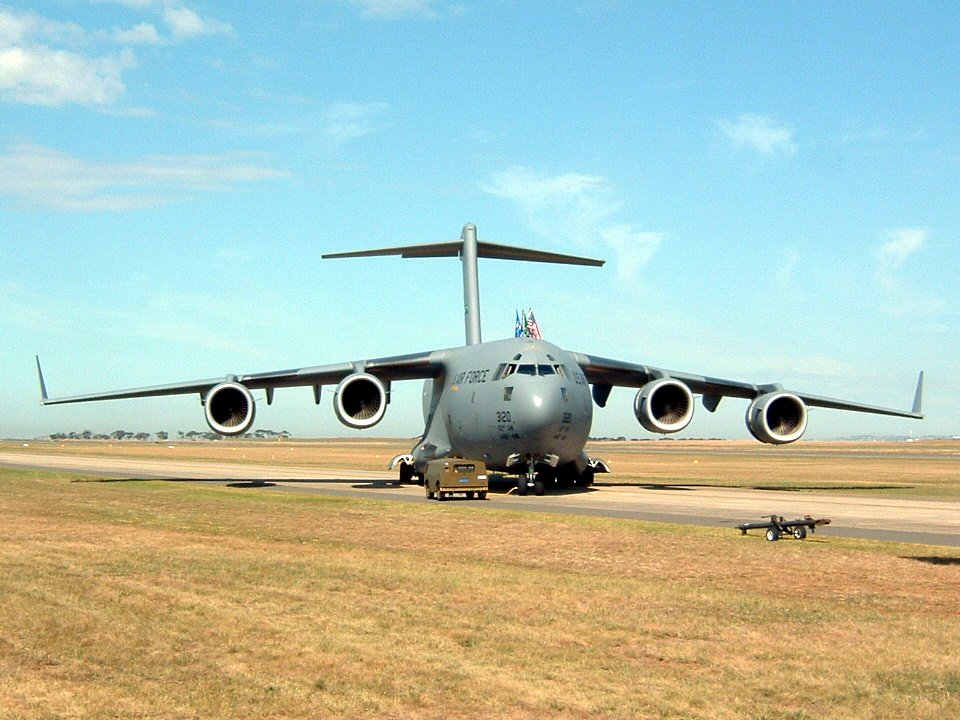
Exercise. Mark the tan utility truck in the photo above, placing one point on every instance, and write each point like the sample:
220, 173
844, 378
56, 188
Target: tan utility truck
448, 476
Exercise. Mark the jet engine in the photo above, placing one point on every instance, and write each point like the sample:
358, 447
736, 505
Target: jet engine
777, 418
360, 401
664, 406
229, 408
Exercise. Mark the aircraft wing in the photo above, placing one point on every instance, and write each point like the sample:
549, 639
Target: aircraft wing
604, 373
388, 369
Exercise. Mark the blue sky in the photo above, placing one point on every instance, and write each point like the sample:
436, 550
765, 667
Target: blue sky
774, 186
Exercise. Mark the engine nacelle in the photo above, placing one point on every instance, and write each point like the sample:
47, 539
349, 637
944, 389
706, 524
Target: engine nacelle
777, 418
229, 408
360, 401
664, 406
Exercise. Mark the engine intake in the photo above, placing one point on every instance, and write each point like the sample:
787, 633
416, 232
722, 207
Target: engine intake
777, 418
360, 401
664, 406
229, 408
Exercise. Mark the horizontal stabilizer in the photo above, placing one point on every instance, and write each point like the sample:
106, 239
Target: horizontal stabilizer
468, 248
484, 250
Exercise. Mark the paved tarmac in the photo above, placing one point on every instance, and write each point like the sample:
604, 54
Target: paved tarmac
873, 517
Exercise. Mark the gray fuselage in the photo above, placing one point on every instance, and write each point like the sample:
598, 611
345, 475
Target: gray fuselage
508, 402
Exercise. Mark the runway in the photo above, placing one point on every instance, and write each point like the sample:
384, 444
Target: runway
872, 517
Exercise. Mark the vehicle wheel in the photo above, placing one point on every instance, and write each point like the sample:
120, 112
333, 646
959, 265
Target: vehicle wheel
469, 496
440, 496
538, 488
428, 493
482, 494
800, 532
773, 534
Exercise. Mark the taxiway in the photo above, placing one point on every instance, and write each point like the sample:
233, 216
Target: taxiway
874, 517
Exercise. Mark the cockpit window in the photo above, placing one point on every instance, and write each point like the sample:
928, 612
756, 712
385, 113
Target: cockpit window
506, 371
532, 369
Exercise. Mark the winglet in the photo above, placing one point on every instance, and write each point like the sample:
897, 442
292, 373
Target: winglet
43, 387
918, 396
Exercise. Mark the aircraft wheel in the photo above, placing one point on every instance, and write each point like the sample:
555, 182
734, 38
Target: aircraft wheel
538, 488
522, 486
800, 532
406, 473
773, 534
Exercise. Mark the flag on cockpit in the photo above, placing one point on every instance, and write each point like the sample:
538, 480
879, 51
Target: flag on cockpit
533, 329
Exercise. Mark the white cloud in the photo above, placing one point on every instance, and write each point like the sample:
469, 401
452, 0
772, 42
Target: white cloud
572, 203
760, 133
140, 34
41, 76
37, 176
21, 27
32, 72
533, 189
394, 8
185, 23
901, 244
900, 301
633, 249
343, 122
577, 208
133, 4
42, 61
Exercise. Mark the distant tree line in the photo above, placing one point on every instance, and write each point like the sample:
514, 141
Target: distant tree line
163, 435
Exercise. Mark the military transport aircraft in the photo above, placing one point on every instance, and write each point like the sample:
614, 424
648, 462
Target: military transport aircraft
523, 406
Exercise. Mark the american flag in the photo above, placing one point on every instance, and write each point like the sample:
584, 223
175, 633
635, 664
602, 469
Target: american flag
533, 329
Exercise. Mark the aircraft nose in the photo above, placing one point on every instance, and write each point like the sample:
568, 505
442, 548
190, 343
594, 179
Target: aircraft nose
537, 410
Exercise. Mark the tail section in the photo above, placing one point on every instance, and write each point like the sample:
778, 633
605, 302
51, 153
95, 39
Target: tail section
468, 248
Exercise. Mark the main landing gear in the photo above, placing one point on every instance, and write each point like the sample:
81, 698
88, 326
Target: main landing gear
565, 477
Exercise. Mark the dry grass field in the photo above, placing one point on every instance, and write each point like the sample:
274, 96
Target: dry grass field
171, 600
928, 468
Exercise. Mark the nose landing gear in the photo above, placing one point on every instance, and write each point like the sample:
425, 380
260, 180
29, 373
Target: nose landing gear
531, 480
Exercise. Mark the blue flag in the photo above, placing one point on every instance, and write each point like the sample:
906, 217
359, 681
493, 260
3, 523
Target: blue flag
518, 328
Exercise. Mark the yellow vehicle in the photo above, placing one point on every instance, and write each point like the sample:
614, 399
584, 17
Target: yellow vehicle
449, 476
